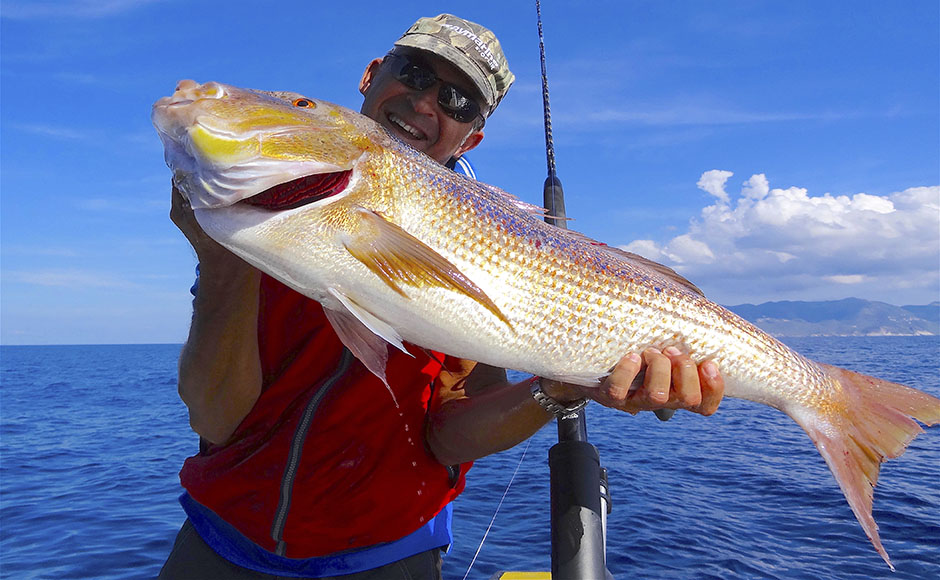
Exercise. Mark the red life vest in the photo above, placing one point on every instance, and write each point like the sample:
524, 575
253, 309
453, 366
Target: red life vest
324, 461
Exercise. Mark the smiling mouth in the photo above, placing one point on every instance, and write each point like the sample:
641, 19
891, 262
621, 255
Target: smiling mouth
301, 191
405, 127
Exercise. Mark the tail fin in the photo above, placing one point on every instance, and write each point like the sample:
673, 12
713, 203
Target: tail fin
872, 422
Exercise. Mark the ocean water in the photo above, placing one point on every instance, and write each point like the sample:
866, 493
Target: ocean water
92, 438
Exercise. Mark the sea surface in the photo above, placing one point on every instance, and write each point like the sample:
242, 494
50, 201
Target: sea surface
92, 438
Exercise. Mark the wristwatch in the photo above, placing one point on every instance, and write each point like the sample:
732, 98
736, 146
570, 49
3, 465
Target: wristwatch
551, 405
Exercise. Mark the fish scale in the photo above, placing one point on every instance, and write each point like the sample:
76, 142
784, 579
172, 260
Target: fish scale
635, 315
408, 251
522, 262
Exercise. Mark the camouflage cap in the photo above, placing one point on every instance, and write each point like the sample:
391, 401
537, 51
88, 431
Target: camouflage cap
470, 47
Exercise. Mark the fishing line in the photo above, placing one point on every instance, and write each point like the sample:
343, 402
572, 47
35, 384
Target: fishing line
552, 193
549, 144
499, 505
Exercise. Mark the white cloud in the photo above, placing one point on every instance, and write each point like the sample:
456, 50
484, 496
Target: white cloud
78, 78
848, 279
713, 182
765, 244
55, 132
72, 279
757, 187
681, 114
45, 251
686, 248
39, 9
102, 204
143, 139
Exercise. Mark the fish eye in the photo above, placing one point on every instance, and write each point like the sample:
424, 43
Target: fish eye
304, 103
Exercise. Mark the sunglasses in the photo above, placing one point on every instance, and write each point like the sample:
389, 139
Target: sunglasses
418, 76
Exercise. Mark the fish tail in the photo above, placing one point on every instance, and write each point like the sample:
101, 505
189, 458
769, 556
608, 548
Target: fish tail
867, 421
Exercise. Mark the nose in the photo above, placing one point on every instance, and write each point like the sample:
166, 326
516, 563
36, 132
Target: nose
188, 91
186, 85
424, 102
172, 114
192, 90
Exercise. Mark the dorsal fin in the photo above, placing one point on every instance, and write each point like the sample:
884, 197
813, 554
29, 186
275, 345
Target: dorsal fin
639, 261
646, 263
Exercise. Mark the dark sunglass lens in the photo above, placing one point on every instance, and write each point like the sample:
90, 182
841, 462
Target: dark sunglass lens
456, 104
416, 76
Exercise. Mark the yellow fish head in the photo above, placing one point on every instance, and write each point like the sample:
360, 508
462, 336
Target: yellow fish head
225, 144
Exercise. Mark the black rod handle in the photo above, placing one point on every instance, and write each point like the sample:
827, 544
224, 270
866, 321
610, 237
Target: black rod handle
577, 526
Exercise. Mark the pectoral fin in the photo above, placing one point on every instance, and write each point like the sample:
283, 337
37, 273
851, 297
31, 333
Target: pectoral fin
400, 259
364, 335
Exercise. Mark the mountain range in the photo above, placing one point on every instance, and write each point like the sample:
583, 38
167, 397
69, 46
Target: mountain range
847, 317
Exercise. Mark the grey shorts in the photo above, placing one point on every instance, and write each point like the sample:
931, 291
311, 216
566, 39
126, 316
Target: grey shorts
193, 559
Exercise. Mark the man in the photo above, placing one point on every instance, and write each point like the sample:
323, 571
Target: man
305, 468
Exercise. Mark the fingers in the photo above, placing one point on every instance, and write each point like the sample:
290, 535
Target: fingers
181, 214
176, 205
621, 380
667, 379
713, 387
658, 380
685, 378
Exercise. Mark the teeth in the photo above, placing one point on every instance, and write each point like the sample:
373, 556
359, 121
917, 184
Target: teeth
398, 121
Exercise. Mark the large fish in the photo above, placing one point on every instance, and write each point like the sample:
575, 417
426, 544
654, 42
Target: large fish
398, 248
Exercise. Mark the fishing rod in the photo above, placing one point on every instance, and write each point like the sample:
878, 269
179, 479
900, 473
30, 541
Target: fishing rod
578, 504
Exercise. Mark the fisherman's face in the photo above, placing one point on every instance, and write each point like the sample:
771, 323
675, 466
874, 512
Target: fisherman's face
415, 116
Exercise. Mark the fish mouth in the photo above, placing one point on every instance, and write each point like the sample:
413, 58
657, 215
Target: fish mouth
301, 191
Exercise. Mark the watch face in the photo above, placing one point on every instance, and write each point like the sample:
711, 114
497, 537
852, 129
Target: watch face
553, 406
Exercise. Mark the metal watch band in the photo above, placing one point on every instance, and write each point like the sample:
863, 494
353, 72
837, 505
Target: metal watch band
551, 405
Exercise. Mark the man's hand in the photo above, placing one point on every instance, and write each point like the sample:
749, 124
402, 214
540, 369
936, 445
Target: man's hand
181, 214
219, 368
667, 379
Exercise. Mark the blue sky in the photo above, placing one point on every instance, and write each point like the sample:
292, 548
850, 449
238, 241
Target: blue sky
768, 150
